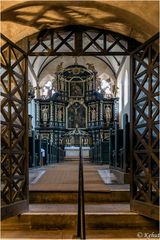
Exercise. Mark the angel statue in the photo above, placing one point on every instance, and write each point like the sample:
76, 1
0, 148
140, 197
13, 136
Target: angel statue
59, 67
91, 67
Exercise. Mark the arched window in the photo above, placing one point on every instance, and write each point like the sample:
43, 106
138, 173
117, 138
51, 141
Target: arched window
126, 81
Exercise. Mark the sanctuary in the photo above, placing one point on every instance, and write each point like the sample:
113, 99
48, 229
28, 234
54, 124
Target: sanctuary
76, 105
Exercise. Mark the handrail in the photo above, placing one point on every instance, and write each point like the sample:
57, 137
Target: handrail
81, 209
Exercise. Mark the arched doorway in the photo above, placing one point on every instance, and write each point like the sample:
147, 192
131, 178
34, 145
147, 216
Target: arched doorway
144, 110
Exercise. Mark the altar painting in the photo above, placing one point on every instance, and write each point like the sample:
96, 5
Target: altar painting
76, 116
76, 89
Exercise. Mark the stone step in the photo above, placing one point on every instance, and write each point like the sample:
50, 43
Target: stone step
72, 208
109, 234
72, 196
59, 216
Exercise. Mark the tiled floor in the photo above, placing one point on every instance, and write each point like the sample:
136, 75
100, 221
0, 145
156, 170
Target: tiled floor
64, 176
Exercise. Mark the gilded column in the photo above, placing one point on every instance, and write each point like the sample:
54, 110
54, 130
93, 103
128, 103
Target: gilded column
63, 115
51, 114
101, 110
37, 114
51, 138
116, 110
97, 115
89, 114
55, 114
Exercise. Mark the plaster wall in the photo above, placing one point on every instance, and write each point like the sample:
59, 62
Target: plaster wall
31, 111
123, 83
136, 19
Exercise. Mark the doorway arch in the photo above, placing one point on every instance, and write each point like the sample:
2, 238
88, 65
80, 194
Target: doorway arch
144, 109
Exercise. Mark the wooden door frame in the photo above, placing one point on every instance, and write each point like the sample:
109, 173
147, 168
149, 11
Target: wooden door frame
142, 188
17, 208
14, 126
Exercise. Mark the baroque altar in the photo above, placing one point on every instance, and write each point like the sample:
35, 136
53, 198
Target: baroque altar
77, 103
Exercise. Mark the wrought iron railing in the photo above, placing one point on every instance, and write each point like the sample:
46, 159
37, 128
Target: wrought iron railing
81, 204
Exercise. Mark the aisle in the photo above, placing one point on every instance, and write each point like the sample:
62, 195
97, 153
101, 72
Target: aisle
64, 177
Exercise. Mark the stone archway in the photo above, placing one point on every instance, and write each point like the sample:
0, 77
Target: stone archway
14, 169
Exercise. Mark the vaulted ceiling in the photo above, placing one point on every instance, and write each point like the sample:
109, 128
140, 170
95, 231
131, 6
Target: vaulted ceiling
20, 19
136, 19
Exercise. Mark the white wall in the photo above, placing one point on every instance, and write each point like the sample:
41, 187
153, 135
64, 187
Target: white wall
123, 83
31, 111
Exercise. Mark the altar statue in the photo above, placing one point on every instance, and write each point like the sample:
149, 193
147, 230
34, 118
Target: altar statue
59, 115
68, 143
85, 141
37, 92
93, 114
45, 115
108, 114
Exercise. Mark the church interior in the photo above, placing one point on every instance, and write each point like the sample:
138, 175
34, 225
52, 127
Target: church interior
79, 119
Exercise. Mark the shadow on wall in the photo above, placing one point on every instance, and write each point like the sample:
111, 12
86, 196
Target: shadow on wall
42, 14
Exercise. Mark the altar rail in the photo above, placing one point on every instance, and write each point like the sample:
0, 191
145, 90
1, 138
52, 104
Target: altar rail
42, 153
81, 201
119, 147
99, 154
114, 150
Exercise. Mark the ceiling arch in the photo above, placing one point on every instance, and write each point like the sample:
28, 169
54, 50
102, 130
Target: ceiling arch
136, 19
49, 69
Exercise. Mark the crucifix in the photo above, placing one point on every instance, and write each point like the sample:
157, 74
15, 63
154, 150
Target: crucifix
76, 60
